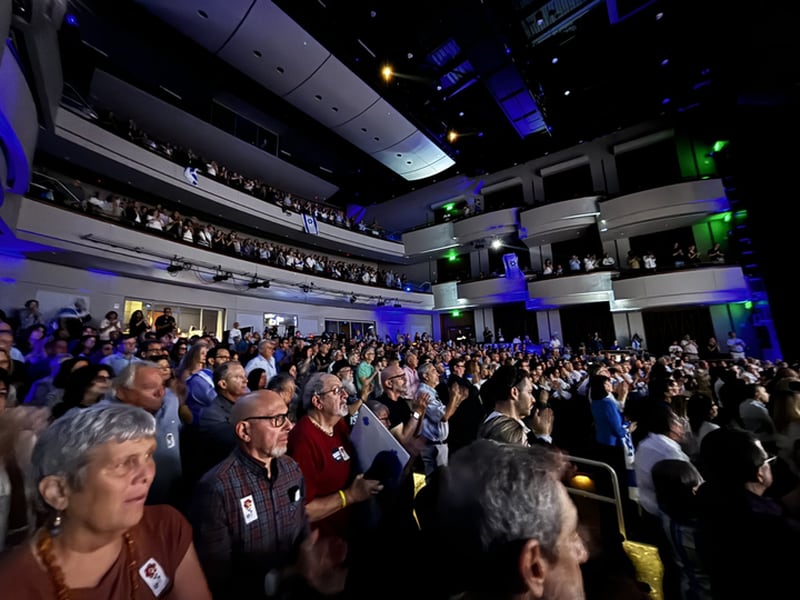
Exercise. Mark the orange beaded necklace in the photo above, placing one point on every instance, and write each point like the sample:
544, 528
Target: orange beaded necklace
44, 548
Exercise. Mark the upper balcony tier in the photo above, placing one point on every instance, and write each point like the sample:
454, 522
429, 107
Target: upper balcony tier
702, 285
458, 234
98, 149
67, 237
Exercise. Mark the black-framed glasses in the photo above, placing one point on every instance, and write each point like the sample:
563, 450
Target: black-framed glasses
276, 420
337, 390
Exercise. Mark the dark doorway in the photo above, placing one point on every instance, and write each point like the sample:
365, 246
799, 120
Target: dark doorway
662, 327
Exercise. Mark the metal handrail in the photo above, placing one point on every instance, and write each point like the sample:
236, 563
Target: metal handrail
61, 185
616, 500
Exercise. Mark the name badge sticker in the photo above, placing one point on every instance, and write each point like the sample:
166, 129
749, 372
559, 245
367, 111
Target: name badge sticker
248, 509
153, 575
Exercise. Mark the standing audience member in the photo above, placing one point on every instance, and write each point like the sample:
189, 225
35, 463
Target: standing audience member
140, 384
211, 437
701, 411
676, 483
265, 359
85, 387
92, 470
285, 386
505, 526
137, 325
256, 380
755, 416
410, 369
665, 430
200, 388
435, 425
320, 443
110, 326
30, 315
405, 416
165, 323
124, 355
736, 513
250, 527
365, 371
736, 346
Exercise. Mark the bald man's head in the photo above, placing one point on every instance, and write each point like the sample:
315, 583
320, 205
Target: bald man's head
258, 403
262, 425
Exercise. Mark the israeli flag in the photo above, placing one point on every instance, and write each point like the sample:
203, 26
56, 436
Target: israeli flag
310, 224
190, 175
511, 264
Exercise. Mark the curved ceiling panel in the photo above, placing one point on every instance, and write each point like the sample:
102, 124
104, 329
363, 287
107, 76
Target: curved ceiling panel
263, 42
333, 95
415, 157
273, 50
210, 31
378, 128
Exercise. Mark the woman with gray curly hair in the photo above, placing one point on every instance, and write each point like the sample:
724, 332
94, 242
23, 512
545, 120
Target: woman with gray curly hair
92, 469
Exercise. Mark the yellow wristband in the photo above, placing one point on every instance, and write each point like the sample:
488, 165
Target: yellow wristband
343, 497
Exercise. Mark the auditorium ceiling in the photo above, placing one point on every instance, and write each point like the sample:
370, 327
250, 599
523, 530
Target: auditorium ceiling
513, 79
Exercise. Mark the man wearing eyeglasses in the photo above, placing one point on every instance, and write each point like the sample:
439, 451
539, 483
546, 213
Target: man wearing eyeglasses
250, 527
320, 443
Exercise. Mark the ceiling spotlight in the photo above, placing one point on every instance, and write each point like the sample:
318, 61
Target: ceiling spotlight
265, 283
397, 304
305, 288
381, 302
353, 299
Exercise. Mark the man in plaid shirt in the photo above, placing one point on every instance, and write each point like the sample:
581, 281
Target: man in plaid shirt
250, 525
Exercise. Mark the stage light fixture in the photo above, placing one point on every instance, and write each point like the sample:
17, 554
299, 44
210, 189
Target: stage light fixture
381, 302
397, 304
175, 266
353, 299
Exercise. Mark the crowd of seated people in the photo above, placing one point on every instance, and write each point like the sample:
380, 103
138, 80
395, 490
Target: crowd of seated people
213, 169
191, 230
231, 466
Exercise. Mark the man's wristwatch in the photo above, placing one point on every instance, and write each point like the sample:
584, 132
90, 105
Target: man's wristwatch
415, 415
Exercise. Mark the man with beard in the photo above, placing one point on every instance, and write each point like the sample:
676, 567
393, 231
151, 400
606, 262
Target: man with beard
344, 371
250, 529
320, 443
